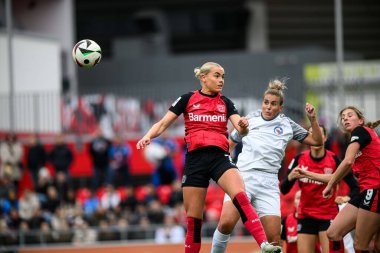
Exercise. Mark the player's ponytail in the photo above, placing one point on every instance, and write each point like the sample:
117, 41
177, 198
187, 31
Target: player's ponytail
276, 87
372, 124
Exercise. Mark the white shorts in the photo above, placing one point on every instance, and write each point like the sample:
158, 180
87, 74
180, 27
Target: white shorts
263, 191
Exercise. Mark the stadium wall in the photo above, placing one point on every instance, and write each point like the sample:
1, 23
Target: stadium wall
36, 70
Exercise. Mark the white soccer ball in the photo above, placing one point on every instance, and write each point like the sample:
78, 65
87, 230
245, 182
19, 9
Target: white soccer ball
154, 152
87, 53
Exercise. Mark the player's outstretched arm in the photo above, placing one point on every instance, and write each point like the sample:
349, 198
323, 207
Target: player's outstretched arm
157, 129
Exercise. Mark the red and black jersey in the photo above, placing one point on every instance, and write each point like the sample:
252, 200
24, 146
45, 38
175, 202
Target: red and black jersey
367, 161
289, 233
206, 119
312, 204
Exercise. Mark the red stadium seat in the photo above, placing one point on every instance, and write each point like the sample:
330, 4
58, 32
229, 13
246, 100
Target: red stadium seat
82, 195
140, 193
122, 193
164, 192
100, 192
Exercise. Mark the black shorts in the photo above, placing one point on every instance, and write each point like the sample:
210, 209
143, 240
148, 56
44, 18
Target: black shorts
368, 200
312, 226
205, 163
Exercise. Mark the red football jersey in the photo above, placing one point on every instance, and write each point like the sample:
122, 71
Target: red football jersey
206, 119
312, 204
367, 161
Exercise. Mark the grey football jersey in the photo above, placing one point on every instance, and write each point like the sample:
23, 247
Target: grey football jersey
264, 145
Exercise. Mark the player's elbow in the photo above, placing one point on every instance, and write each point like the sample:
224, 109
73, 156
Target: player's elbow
348, 162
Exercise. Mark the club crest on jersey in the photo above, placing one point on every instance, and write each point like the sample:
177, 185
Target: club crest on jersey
278, 130
221, 108
328, 170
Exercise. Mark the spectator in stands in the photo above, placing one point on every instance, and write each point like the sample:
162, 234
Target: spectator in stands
52, 200
13, 219
118, 172
9, 203
91, 205
170, 232
6, 185
176, 195
315, 212
61, 157
106, 232
165, 172
155, 212
7, 236
138, 214
28, 236
99, 150
29, 205
82, 233
110, 199
62, 185
41, 187
46, 233
11, 153
150, 194
130, 202
36, 157
206, 112
60, 226
143, 231
260, 161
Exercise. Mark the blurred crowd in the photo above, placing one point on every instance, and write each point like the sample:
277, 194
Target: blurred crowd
111, 206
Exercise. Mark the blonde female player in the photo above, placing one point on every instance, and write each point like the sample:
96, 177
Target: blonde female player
206, 113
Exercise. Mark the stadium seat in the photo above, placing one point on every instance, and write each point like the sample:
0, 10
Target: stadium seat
122, 193
82, 195
140, 193
164, 192
100, 192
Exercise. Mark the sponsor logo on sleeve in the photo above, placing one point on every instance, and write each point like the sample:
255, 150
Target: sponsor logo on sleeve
175, 102
354, 138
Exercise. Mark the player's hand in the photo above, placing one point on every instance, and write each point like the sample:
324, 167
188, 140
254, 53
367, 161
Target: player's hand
294, 174
302, 173
310, 111
327, 192
243, 122
145, 141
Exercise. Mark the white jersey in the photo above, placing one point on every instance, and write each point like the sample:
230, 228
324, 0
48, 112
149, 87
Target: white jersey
264, 145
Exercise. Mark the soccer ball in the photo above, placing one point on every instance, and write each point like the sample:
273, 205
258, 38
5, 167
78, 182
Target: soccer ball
87, 53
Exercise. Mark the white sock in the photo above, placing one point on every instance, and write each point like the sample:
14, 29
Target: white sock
219, 242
